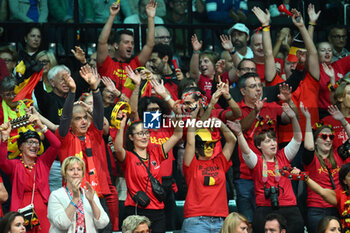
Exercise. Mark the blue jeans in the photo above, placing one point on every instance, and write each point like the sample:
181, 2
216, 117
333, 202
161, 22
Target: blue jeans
202, 224
315, 214
245, 198
55, 177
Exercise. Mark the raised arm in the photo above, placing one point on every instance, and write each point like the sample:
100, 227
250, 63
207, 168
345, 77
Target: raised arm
171, 142
312, 63
297, 135
247, 122
338, 115
328, 195
102, 47
134, 99
230, 140
313, 17
282, 40
91, 76
194, 63
226, 43
67, 111
190, 148
119, 140
270, 67
309, 143
293, 146
250, 158
147, 49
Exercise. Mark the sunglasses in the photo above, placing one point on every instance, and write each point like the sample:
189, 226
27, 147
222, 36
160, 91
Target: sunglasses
325, 136
206, 145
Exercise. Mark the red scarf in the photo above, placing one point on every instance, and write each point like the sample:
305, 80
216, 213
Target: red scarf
91, 172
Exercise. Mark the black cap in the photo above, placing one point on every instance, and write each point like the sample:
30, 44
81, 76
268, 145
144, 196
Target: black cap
24, 136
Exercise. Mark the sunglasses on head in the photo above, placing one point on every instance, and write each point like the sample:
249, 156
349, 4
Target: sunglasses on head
324, 136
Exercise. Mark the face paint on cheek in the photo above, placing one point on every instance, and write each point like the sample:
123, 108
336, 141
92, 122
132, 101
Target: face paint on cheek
209, 149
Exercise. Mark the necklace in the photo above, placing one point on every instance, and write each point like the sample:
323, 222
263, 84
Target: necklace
27, 166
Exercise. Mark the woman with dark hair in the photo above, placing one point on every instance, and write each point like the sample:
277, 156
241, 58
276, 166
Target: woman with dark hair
32, 43
158, 137
30, 174
12, 222
323, 164
273, 191
329, 224
136, 160
339, 197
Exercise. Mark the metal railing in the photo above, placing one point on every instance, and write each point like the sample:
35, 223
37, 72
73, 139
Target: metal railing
61, 38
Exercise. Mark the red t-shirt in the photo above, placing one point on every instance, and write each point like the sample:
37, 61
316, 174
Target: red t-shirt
320, 176
68, 149
269, 110
206, 182
136, 175
261, 71
339, 131
206, 84
307, 92
117, 72
158, 137
286, 195
341, 67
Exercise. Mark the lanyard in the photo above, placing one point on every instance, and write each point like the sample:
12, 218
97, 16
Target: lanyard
265, 173
70, 197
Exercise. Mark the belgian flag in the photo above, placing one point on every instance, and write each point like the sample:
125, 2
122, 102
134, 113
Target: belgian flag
28, 74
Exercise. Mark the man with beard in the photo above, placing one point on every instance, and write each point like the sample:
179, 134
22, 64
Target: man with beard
240, 37
159, 64
124, 47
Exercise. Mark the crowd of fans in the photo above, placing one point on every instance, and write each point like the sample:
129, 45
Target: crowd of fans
265, 122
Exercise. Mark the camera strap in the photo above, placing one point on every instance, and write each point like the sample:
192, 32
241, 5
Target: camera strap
265, 171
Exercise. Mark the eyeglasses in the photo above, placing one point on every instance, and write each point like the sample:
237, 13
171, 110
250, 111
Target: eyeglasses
252, 86
247, 69
324, 136
33, 143
163, 37
44, 62
9, 95
142, 133
338, 37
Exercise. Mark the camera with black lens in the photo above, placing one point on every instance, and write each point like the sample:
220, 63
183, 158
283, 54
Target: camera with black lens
272, 193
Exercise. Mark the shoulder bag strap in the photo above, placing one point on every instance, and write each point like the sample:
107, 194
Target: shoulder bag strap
331, 178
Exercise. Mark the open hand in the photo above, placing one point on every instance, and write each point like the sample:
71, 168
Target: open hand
235, 126
196, 45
